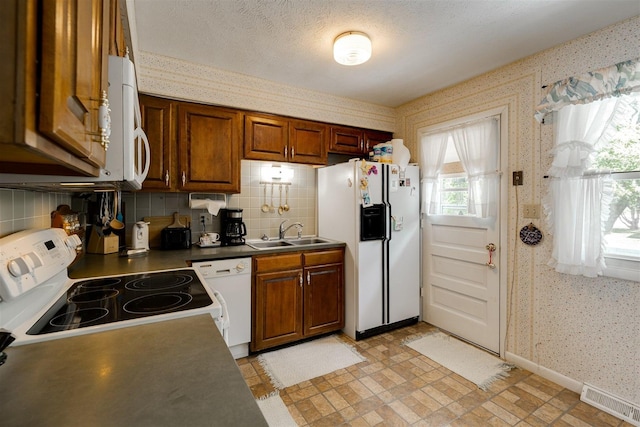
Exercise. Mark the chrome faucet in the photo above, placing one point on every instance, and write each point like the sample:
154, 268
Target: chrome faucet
282, 230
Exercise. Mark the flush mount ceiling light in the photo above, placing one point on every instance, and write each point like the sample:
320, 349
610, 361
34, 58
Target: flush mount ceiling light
352, 48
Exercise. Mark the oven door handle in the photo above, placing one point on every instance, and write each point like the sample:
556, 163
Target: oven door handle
224, 319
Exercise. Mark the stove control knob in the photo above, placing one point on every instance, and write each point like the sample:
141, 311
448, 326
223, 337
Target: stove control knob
73, 241
240, 267
18, 267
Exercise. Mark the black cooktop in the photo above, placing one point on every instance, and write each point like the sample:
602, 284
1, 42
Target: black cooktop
100, 301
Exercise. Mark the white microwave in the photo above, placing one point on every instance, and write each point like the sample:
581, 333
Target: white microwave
128, 155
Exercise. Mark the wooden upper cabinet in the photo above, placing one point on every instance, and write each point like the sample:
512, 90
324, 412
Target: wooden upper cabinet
54, 73
346, 140
308, 142
158, 123
74, 74
280, 139
194, 147
209, 141
374, 137
266, 137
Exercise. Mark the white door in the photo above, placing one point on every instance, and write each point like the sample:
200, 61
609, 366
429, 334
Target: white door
462, 291
461, 275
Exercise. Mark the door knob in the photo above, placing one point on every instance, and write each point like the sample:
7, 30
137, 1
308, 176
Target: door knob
491, 248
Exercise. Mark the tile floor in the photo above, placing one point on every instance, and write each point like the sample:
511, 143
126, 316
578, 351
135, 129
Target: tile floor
398, 386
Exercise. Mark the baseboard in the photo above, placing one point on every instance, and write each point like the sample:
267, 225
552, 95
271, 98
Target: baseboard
558, 378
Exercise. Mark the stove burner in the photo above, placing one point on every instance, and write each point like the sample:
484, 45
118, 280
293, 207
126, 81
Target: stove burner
158, 282
78, 317
91, 296
107, 282
157, 303
102, 301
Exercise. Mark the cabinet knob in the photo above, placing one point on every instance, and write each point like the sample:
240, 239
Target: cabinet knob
293, 152
184, 178
166, 178
286, 150
308, 278
300, 279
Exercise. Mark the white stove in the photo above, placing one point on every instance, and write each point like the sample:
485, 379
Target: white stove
40, 302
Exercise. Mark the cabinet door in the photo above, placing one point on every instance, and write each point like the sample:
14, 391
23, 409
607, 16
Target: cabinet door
209, 140
158, 124
345, 140
266, 138
373, 137
323, 291
308, 142
75, 37
277, 308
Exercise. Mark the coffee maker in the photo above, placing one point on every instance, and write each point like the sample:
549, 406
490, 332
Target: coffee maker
232, 229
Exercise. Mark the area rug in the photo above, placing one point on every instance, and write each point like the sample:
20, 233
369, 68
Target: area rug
311, 359
275, 411
469, 362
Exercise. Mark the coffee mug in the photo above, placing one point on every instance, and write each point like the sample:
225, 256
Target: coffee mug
209, 239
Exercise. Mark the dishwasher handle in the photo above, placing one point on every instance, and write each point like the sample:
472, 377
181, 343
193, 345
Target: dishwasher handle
224, 320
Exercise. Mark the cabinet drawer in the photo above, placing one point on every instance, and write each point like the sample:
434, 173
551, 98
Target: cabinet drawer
323, 257
282, 262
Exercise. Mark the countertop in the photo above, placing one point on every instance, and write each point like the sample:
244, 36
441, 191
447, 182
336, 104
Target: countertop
92, 265
172, 373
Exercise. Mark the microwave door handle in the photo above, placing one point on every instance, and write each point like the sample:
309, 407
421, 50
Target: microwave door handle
147, 152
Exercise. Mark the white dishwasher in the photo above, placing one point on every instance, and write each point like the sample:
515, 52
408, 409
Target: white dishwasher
231, 278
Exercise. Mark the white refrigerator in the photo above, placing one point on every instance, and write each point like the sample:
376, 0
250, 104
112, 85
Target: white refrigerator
375, 209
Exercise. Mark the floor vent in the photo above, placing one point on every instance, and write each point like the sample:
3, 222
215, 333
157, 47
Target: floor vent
610, 403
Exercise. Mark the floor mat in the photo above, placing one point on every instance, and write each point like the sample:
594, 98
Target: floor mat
275, 411
469, 362
311, 359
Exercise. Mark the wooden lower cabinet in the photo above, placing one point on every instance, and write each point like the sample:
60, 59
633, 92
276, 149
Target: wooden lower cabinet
296, 296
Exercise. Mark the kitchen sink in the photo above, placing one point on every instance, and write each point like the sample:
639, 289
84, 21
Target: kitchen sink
266, 244
307, 241
271, 244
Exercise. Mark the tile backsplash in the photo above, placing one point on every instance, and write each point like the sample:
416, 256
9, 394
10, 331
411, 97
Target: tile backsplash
22, 209
302, 202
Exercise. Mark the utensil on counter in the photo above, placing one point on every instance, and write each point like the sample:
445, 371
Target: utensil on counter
265, 206
280, 207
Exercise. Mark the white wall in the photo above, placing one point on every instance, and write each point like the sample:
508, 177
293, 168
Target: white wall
585, 329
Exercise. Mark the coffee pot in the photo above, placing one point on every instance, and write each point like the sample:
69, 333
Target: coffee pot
232, 229
140, 235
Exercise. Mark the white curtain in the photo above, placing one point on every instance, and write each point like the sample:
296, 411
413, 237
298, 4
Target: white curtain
478, 145
578, 199
577, 130
580, 205
432, 151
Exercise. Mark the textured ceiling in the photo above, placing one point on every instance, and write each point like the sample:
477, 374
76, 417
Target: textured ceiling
419, 46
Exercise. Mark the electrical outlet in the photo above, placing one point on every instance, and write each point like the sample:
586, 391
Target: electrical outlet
206, 218
531, 211
517, 177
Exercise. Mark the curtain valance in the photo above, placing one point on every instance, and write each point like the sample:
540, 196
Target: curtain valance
618, 79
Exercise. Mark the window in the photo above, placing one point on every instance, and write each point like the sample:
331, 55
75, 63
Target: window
619, 151
454, 195
592, 208
460, 169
